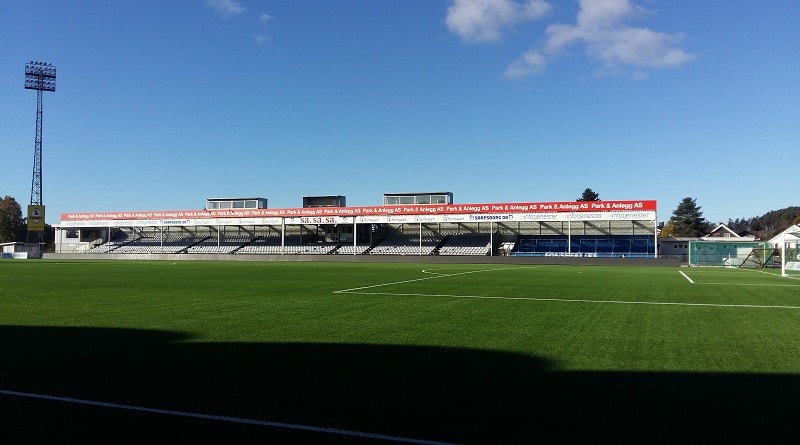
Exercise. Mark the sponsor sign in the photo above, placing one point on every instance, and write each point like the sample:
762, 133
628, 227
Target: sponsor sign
534, 211
36, 218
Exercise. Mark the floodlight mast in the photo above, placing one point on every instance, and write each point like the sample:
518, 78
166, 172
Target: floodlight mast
41, 77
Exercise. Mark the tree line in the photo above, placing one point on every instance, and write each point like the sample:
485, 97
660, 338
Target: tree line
774, 221
13, 226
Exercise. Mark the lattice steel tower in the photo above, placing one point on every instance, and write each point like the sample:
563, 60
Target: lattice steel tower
41, 77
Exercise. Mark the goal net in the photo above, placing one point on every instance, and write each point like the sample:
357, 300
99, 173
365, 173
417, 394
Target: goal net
789, 247
730, 253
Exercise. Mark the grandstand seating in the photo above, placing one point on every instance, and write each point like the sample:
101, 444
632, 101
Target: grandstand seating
433, 239
465, 244
400, 243
349, 249
271, 245
223, 243
152, 241
586, 245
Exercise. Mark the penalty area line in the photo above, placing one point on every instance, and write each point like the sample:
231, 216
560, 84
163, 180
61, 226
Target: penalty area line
229, 419
738, 284
432, 276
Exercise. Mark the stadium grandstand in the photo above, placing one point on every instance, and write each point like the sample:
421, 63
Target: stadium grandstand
406, 224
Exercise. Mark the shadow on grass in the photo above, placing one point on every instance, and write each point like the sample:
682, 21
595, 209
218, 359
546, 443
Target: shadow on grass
436, 394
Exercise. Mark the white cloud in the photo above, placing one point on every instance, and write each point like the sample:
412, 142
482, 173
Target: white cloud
637, 47
264, 18
226, 8
604, 12
478, 21
532, 62
600, 28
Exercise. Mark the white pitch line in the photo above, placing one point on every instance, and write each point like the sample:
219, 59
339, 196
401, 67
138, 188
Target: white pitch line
434, 271
750, 284
738, 284
437, 275
359, 291
291, 426
576, 300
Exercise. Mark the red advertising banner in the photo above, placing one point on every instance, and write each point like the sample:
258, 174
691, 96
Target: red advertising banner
414, 209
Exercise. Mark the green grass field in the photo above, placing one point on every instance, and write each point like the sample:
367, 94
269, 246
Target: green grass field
303, 352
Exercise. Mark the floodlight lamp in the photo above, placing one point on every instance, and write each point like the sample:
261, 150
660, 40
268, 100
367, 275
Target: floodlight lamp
40, 76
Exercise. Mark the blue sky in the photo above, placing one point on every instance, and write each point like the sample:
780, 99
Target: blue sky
161, 104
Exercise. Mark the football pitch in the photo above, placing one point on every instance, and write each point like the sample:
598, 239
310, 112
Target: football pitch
305, 352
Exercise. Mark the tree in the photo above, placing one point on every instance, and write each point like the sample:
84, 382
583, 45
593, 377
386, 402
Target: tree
687, 219
767, 225
11, 222
589, 195
667, 230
